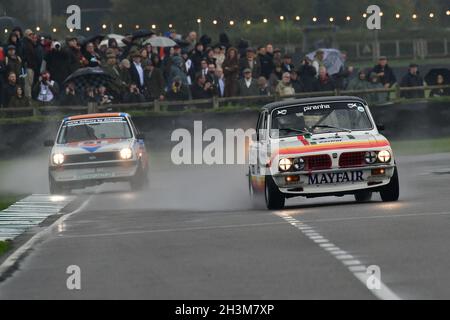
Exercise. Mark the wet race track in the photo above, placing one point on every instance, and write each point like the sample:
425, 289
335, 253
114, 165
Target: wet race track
194, 235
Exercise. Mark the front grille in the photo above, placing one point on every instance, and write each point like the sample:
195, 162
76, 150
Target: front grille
92, 157
352, 159
320, 162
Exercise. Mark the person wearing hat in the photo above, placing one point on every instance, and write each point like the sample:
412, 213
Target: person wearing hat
73, 54
385, 73
113, 70
154, 82
248, 86
250, 61
412, 79
15, 40
137, 70
30, 60
13, 62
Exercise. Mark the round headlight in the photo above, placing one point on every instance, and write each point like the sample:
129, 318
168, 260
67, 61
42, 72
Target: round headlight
371, 157
299, 164
285, 164
384, 156
126, 154
58, 159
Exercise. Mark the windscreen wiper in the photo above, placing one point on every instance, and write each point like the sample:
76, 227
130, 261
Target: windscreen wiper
295, 130
332, 127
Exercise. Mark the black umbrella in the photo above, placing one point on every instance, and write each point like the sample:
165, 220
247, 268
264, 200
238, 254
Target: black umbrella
89, 77
9, 22
143, 33
431, 76
98, 37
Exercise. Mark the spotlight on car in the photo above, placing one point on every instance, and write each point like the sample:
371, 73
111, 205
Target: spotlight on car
384, 156
126, 154
285, 164
58, 159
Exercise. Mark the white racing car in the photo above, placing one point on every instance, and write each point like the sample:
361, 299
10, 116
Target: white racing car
97, 148
320, 147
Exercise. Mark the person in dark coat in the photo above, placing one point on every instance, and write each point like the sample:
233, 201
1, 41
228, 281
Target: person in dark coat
412, 79
57, 63
19, 100
231, 71
70, 96
202, 89
9, 89
308, 75
137, 71
266, 62
248, 86
31, 60
154, 82
440, 81
324, 82
250, 61
384, 73
178, 91
74, 56
133, 95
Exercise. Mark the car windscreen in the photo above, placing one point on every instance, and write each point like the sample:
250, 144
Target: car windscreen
320, 118
94, 129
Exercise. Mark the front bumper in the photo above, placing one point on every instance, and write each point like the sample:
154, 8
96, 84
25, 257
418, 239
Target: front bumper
334, 182
94, 172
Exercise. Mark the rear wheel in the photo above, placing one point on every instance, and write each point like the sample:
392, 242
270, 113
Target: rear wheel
363, 196
391, 192
275, 200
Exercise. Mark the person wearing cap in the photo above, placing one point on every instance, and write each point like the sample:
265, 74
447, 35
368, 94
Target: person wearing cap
30, 60
73, 53
385, 73
16, 41
250, 61
248, 86
13, 62
111, 68
412, 79
287, 65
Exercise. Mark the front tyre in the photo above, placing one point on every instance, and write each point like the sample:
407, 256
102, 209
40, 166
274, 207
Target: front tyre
391, 192
275, 200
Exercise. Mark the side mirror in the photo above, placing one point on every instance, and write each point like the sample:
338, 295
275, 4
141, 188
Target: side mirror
141, 136
49, 143
381, 127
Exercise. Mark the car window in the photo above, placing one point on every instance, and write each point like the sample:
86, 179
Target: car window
94, 129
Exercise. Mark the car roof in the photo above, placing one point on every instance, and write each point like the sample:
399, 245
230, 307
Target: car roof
294, 102
97, 115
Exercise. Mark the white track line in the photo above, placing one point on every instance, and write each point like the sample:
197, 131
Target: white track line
15, 257
349, 261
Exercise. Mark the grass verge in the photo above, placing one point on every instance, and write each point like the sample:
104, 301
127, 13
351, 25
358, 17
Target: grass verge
418, 147
4, 247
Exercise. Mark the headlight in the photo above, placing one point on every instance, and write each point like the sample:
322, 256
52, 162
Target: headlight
285, 164
126, 154
58, 159
299, 164
384, 156
371, 157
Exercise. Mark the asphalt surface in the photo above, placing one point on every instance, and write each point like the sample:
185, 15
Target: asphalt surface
193, 235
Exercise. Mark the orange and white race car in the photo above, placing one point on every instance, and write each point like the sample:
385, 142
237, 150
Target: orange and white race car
320, 147
97, 148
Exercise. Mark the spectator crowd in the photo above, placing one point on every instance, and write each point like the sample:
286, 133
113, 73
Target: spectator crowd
33, 70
